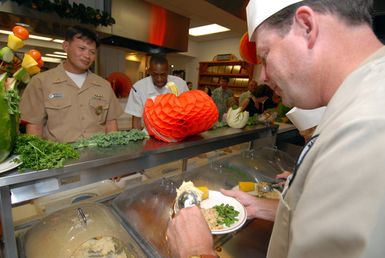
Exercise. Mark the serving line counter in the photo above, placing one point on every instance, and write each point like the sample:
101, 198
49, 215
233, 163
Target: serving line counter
96, 164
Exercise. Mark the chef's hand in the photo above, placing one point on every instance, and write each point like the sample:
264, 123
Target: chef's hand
260, 208
188, 234
283, 175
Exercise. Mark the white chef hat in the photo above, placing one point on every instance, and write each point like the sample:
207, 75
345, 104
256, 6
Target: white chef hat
259, 10
305, 119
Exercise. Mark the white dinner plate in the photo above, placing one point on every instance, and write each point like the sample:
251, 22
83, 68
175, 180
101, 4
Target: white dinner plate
217, 198
9, 164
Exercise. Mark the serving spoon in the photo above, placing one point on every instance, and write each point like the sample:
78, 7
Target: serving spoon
186, 199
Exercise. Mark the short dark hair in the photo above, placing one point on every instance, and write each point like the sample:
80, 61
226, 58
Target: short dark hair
81, 33
225, 78
263, 90
353, 12
159, 59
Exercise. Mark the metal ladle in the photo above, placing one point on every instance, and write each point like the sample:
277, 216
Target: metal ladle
186, 199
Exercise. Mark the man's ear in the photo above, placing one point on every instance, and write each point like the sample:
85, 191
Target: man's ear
65, 45
308, 23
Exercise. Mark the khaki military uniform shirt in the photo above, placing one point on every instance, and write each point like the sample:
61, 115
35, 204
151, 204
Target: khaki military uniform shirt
66, 111
335, 206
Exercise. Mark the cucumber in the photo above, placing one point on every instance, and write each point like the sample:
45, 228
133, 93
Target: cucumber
8, 124
6, 54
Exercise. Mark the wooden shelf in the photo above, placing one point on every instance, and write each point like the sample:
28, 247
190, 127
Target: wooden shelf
239, 73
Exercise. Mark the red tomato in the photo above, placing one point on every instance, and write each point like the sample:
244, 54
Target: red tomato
40, 63
35, 54
20, 32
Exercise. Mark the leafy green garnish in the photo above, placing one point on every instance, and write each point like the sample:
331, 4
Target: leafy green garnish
36, 153
253, 120
227, 214
12, 97
113, 138
218, 125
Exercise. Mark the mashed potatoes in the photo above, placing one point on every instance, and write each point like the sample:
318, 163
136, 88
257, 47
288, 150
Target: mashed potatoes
101, 247
186, 187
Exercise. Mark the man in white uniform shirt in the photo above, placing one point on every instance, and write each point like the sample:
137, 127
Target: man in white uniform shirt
151, 86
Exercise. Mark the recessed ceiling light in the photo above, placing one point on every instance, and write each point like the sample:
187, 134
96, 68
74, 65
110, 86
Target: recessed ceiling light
207, 29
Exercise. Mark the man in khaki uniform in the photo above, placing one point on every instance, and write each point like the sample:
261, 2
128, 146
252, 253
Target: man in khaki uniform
70, 102
318, 53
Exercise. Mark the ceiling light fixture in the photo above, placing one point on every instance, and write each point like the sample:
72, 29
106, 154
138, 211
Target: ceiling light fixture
207, 29
31, 36
60, 53
53, 55
51, 60
5, 32
58, 40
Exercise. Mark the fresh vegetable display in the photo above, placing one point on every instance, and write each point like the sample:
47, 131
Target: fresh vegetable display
14, 70
227, 214
113, 138
237, 119
36, 153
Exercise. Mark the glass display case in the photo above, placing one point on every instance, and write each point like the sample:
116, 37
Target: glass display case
97, 164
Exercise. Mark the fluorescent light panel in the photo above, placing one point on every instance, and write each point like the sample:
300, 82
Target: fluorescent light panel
207, 29
32, 36
53, 55
60, 53
51, 60
5, 32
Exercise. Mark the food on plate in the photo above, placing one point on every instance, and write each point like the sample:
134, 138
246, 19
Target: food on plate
220, 215
205, 191
211, 216
246, 186
188, 187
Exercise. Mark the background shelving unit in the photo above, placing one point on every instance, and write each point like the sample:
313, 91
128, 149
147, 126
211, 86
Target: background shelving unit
239, 73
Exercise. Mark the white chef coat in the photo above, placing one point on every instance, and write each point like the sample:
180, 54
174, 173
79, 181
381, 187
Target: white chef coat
335, 206
144, 89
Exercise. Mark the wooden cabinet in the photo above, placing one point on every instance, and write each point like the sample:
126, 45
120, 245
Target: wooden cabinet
239, 73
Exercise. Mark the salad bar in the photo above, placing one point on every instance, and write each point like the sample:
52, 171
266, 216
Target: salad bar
96, 164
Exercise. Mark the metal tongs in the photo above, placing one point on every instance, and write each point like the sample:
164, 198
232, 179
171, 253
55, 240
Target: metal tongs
82, 216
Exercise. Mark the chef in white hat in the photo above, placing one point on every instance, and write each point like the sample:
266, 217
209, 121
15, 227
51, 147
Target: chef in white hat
317, 53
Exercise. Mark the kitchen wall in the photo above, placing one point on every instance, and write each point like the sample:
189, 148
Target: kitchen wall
112, 59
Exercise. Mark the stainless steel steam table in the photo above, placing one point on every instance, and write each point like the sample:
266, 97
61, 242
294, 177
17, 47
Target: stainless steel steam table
96, 164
